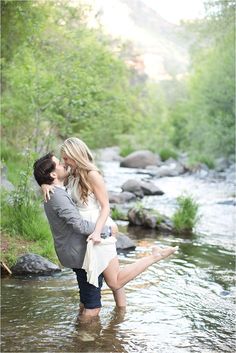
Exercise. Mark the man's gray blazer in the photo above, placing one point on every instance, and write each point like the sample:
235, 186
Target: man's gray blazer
68, 228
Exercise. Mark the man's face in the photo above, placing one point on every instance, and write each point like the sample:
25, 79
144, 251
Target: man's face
60, 169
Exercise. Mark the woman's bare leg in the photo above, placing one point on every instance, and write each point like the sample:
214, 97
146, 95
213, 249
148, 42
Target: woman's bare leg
117, 278
120, 297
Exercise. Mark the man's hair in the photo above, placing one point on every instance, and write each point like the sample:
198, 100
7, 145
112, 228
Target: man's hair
42, 169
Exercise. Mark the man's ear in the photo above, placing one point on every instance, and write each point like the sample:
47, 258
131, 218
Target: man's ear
53, 175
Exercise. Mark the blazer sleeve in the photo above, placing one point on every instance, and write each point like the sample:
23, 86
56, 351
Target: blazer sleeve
66, 210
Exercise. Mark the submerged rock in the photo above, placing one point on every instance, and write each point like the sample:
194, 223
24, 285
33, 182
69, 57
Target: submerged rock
33, 264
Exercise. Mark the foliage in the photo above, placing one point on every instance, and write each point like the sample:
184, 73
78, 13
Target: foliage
186, 216
117, 214
83, 89
21, 210
204, 121
166, 153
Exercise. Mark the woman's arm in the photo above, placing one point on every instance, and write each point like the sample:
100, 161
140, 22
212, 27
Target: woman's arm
99, 189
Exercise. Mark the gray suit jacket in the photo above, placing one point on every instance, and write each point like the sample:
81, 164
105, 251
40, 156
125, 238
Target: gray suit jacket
68, 228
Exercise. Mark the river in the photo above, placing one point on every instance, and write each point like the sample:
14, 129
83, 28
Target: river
184, 304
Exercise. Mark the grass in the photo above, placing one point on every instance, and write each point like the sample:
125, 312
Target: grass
194, 160
25, 230
186, 216
116, 214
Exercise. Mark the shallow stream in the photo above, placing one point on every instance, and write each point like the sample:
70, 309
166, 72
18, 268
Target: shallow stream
183, 304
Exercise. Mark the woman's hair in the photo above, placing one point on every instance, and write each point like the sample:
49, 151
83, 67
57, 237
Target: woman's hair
80, 153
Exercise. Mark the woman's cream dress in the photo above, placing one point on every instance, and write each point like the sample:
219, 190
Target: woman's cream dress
98, 256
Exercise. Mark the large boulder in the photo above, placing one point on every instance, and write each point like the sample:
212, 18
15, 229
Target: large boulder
140, 159
33, 264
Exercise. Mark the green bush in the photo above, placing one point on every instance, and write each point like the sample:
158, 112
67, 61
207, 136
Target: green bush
195, 159
186, 216
116, 214
166, 153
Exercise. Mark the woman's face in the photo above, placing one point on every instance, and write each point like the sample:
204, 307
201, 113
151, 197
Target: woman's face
69, 162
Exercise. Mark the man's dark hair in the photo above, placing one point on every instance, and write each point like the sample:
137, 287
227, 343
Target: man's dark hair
42, 169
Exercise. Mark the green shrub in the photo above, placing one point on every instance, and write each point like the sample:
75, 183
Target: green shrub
116, 214
194, 160
186, 216
166, 153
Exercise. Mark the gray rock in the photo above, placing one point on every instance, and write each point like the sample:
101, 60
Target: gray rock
150, 188
231, 202
124, 242
33, 264
133, 186
122, 197
136, 217
5, 183
150, 221
109, 154
170, 170
221, 164
140, 159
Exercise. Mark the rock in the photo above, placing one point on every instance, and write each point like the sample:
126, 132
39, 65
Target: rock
141, 188
150, 219
122, 197
109, 154
134, 187
140, 159
150, 188
150, 222
124, 242
169, 170
136, 217
5, 183
221, 164
231, 202
33, 264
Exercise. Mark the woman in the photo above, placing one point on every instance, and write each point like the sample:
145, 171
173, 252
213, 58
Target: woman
88, 191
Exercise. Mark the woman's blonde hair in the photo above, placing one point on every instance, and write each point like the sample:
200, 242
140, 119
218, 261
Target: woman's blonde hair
80, 153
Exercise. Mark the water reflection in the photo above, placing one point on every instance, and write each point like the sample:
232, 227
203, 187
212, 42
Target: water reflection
96, 334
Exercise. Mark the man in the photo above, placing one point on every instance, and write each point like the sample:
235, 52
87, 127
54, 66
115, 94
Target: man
69, 230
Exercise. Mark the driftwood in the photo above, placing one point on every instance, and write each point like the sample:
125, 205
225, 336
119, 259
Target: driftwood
5, 269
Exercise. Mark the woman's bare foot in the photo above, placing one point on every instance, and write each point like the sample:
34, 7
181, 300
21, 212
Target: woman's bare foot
162, 253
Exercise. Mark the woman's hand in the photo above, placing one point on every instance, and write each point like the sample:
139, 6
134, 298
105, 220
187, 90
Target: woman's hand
46, 189
114, 230
95, 237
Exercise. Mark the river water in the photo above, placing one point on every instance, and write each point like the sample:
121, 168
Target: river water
184, 304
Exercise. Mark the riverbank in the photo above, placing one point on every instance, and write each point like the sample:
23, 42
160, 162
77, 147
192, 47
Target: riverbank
14, 246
